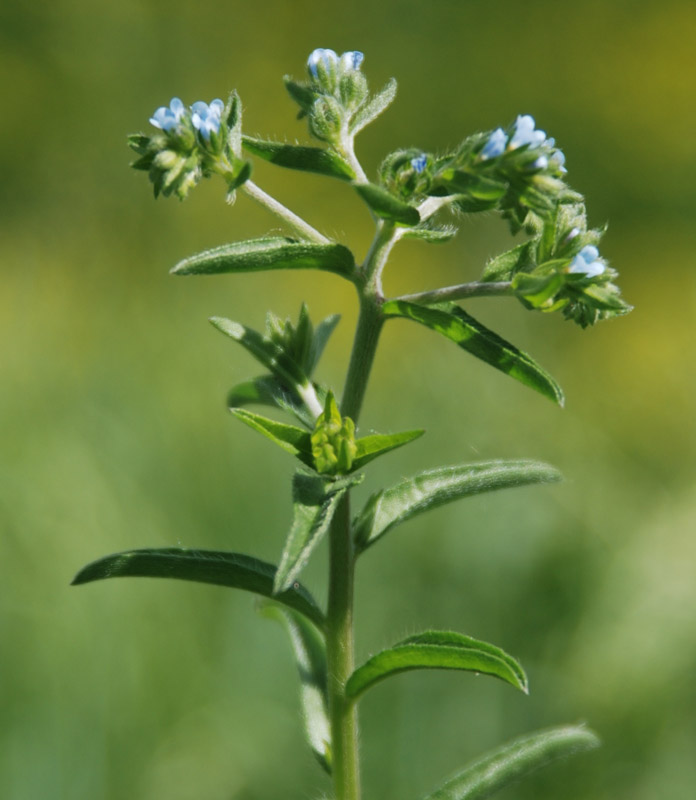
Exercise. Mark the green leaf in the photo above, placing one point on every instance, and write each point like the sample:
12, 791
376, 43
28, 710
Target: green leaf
314, 504
289, 438
309, 648
427, 490
504, 266
458, 326
386, 206
264, 350
204, 566
515, 760
322, 333
370, 110
268, 253
267, 390
307, 159
370, 447
233, 117
437, 650
432, 235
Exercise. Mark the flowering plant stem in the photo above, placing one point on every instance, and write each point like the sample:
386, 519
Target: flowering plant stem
340, 660
517, 171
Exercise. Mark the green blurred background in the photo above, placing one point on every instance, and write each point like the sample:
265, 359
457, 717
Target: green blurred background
114, 431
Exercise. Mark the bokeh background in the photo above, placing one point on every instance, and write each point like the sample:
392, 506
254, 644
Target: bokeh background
114, 432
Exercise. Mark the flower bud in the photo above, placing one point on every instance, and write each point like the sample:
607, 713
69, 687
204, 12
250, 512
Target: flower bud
333, 441
325, 119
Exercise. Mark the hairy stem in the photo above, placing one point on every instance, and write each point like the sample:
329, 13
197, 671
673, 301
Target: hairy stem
304, 229
340, 636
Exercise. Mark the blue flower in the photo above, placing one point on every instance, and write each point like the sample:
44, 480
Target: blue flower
206, 118
166, 119
495, 146
352, 60
586, 262
327, 58
526, 134
419, 163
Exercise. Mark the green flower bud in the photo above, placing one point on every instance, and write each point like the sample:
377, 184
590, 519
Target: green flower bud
325, 119
333, 441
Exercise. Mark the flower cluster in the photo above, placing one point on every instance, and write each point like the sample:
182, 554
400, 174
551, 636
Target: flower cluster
336, 89
525, 134
192, 143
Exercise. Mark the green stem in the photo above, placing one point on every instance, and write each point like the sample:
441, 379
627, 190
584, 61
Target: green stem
340, 636
304, 229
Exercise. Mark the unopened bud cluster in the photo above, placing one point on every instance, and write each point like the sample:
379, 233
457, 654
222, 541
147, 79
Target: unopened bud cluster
333, 441
335, 90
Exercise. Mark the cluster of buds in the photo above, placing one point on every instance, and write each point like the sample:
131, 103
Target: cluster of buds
541, 151
333, 441
563, 270
406, 173
334, 92
192, 143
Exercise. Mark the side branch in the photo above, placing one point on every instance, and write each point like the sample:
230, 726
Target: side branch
304, 229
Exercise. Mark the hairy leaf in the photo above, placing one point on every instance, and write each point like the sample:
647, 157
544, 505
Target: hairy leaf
370, 110
265, 351
288, 437
314, 504
386, 206
204, 566
268, 253
370, 447
515, 760
309, 648
307, 159
268, 390
461, 328
412, 496
437, 650
504, 266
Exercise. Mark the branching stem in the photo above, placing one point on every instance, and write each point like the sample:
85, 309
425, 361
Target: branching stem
304, 229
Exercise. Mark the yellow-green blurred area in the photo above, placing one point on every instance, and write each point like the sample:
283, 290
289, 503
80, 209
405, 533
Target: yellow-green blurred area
115, 433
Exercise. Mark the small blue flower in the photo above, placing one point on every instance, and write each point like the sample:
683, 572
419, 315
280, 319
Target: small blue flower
206, 118
586, 262
540, 163
166, 119
526, 134
495, 146
558, 159
327, 58
419, 163
352, 60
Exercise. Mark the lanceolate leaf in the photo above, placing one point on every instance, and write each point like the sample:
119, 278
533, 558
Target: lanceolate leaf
307, 159
513, 761
322, 333
310, 653
288, 437
437, 650
204, 566
385, 205
267, 352
370, 447
458, 326
504, 266
279, 252
374, 107
267, 390
314, 504
413, 496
